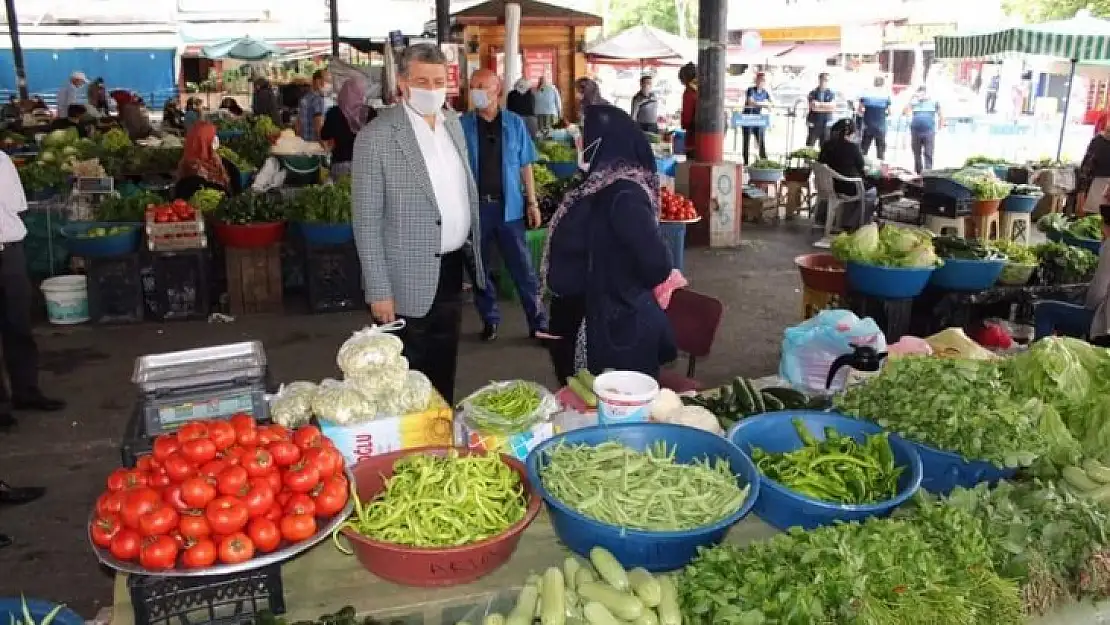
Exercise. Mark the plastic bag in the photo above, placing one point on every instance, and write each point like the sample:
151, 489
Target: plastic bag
342, 404
478, 417
809, 349
370, 347
388, 379
416, 395
292, 406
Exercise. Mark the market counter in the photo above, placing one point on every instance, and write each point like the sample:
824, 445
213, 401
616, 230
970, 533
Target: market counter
324, 580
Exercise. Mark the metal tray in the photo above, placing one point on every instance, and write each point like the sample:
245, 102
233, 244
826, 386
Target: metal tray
192, 367
256, 562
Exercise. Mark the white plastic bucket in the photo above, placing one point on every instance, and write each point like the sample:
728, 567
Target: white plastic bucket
67, 299
624, 396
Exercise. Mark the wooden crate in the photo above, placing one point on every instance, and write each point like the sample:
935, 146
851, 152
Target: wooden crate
254, 279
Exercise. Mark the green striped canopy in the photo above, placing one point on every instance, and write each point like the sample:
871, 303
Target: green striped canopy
1081, 38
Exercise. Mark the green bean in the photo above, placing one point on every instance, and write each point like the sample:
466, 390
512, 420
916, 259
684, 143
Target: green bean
506, 408
641, 490
437, 501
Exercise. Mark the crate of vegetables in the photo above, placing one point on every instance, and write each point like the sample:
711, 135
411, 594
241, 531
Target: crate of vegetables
174, 226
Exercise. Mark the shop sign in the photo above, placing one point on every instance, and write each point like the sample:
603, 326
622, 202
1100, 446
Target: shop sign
810, 33
539, 64
451, 51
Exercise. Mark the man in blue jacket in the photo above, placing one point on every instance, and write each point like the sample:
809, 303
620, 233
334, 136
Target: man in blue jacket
925, 119
501, 154
874, 107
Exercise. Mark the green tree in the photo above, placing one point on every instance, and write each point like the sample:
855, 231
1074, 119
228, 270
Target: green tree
1046, 10
662, 14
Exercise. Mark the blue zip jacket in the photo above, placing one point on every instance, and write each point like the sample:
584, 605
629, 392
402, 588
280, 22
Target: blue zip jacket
517, 150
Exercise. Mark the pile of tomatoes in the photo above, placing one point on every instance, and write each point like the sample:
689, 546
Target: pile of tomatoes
178, 210
219, 492
675, 207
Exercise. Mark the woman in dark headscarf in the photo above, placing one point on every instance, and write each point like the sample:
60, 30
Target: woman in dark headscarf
843, 155
588, 93
605, 256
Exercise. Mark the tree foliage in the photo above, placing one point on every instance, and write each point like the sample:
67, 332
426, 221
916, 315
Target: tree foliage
662, 14
1035, 11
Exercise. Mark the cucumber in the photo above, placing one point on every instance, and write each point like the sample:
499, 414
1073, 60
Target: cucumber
584, 575
771, 402
553, 607
1096, 471
525, 610
757, 396
608, 569
790, 398
669, 613
622, 604
596, 614
570, 568
1078, 478
645, 586
746, 402
579, 388
647, 618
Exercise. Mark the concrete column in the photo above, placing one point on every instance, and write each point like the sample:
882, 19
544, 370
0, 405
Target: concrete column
709, 134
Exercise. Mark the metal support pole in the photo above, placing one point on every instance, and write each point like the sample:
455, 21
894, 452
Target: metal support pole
333, 17
443, 21
709, 133
17, 50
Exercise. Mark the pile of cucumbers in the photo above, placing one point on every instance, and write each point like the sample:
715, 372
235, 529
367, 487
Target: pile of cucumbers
740, 398
1090, 479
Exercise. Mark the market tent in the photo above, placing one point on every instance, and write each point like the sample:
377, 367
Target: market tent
643, 43
1081, 39
242, 49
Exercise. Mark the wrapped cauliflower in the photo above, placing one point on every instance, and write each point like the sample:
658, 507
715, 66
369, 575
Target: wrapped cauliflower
385, 380
369, 348
292, 406
416, 394
342, 403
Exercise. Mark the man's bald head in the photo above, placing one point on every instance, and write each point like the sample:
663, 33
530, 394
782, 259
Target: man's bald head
487, 81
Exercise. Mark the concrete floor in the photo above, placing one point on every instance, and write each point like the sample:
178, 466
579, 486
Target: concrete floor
72, 452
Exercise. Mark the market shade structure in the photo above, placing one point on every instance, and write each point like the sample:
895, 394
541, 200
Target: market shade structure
242, 49
1081, 39
643, 43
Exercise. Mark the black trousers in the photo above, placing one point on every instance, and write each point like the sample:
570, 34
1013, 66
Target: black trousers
760, 135
876, 135
432, 341
21, 355
567, 314
816, 135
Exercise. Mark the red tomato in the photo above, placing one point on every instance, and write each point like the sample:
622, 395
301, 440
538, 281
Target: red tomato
326, 461
221, 434
192, 431
258, 462
125, 544
164, 445
300, 503
236, 548
274, 513
258, 498
330, 497
297, 527
117, 479
285, 453
273, 478
199, 450
109, 503
171, 495
279, 432
234, 454
247, 436
193, 524
158, 553
160, 520
138, 502
265, 534
178, 468
232, 480
212, 468
104, 528
226, 515
159, 479
301, 477
146, 464
307, 437
199, 554
197, 492
242, 420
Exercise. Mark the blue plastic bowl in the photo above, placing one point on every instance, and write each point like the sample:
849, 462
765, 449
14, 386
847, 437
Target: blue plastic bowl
325, 234
115, 245
1020, 203
1002, 172
13, 607
959, 274
783, 508
227, 135
1088, 244
562, 169
942, 471
765, 175
887, 282
654, 551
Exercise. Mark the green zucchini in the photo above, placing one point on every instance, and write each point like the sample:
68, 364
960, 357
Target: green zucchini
584, 575
553, 607
585, 377
622, 604
647, 618
1096, 471
747, 402
645, 586
771, 402
596, 614
579, 388
525, 610
570, 567
790, 398
757, 397
669, 614
1077, 477
608, 569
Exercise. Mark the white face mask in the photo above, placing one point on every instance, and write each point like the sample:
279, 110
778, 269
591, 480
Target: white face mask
479, 98
585, 161
427, 101
215, 144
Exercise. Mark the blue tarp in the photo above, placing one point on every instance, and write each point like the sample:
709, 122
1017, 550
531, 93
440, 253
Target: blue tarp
150, 73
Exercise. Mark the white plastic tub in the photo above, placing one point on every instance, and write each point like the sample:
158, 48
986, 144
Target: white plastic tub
624, 396
67, 299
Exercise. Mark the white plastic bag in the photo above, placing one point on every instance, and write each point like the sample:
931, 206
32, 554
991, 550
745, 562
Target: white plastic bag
388, 379
370, 347
342, 404
809, 349
416, 395
292, 406
478, 417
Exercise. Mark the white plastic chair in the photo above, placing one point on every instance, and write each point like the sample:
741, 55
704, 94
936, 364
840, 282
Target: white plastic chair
824, 177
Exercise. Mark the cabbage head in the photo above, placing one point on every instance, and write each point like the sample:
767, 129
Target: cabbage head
861, 245
60, 138
921, 256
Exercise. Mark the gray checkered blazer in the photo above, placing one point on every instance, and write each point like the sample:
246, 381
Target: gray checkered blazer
394, 212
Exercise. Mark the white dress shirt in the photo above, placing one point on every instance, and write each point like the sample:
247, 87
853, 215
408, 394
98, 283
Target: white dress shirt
12, 202
448, 174
67, 95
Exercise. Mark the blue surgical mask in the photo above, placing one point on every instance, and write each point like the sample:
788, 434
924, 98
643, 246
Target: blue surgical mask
479, 98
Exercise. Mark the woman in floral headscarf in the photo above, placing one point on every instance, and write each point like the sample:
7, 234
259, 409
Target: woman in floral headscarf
605, 256
342, 123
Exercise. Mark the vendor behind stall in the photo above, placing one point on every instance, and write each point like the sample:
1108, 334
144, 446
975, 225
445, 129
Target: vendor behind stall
1092, 319
1094, 172
73, 120
201, 166
843, 155
342, 123
132, 115
231, 107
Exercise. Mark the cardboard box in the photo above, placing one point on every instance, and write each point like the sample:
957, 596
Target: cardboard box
517, 445
433, 426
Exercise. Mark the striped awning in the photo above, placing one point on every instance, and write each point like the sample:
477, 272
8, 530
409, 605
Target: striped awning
1081, 38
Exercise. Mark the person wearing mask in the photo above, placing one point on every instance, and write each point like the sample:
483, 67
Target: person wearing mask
21, 354
342, 123
645, 107
15, 496
501, 156
231, 106
1094, 173
688, 76
201, 166
549, 105
522, 101
756, 102
98, 96
843, 155
925, 118
822, 105
264, 101
604, 257
874, 108
311, 109
1092, 318
73, 120
993, 87
71, 93
414, 209
587, 93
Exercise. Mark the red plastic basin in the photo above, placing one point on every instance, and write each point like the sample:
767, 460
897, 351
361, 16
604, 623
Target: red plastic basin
428, 566
250, 235
822, 272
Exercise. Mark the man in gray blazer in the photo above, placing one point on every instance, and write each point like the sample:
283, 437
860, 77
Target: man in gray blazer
415, 212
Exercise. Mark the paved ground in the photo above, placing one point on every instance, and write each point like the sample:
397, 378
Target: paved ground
72, 452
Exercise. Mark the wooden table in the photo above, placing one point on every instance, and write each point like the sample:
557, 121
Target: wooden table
324, 580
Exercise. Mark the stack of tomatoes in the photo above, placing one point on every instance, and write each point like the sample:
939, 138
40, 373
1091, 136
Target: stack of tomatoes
220, 492
178, 210
675, 207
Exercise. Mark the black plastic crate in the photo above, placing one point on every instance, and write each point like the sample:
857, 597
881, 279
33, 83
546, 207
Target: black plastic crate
175, 285
115, 289
945, 206
892, 315
210, 600
333, 277
136, 442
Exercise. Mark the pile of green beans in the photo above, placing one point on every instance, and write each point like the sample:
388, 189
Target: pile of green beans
641, 490
838, 469
443, 501
504, 408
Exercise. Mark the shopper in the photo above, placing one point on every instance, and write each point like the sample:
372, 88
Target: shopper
522, 101
501, 156
98, 97
414, 209
688, 76
993, 87
549, 105
587, 93
843, 155
193, 112
342, 123
201, 166
264, 101
132, 116
925, 118
822, 105
70, 93
310, 114
756, 102
73, 120
231, 107
21, 355
1090, 320
874, 108
605, 256
1094, 173
14, 496
173, 118
645, 106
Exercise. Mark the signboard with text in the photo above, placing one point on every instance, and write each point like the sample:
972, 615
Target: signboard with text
539, 63
451, 51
